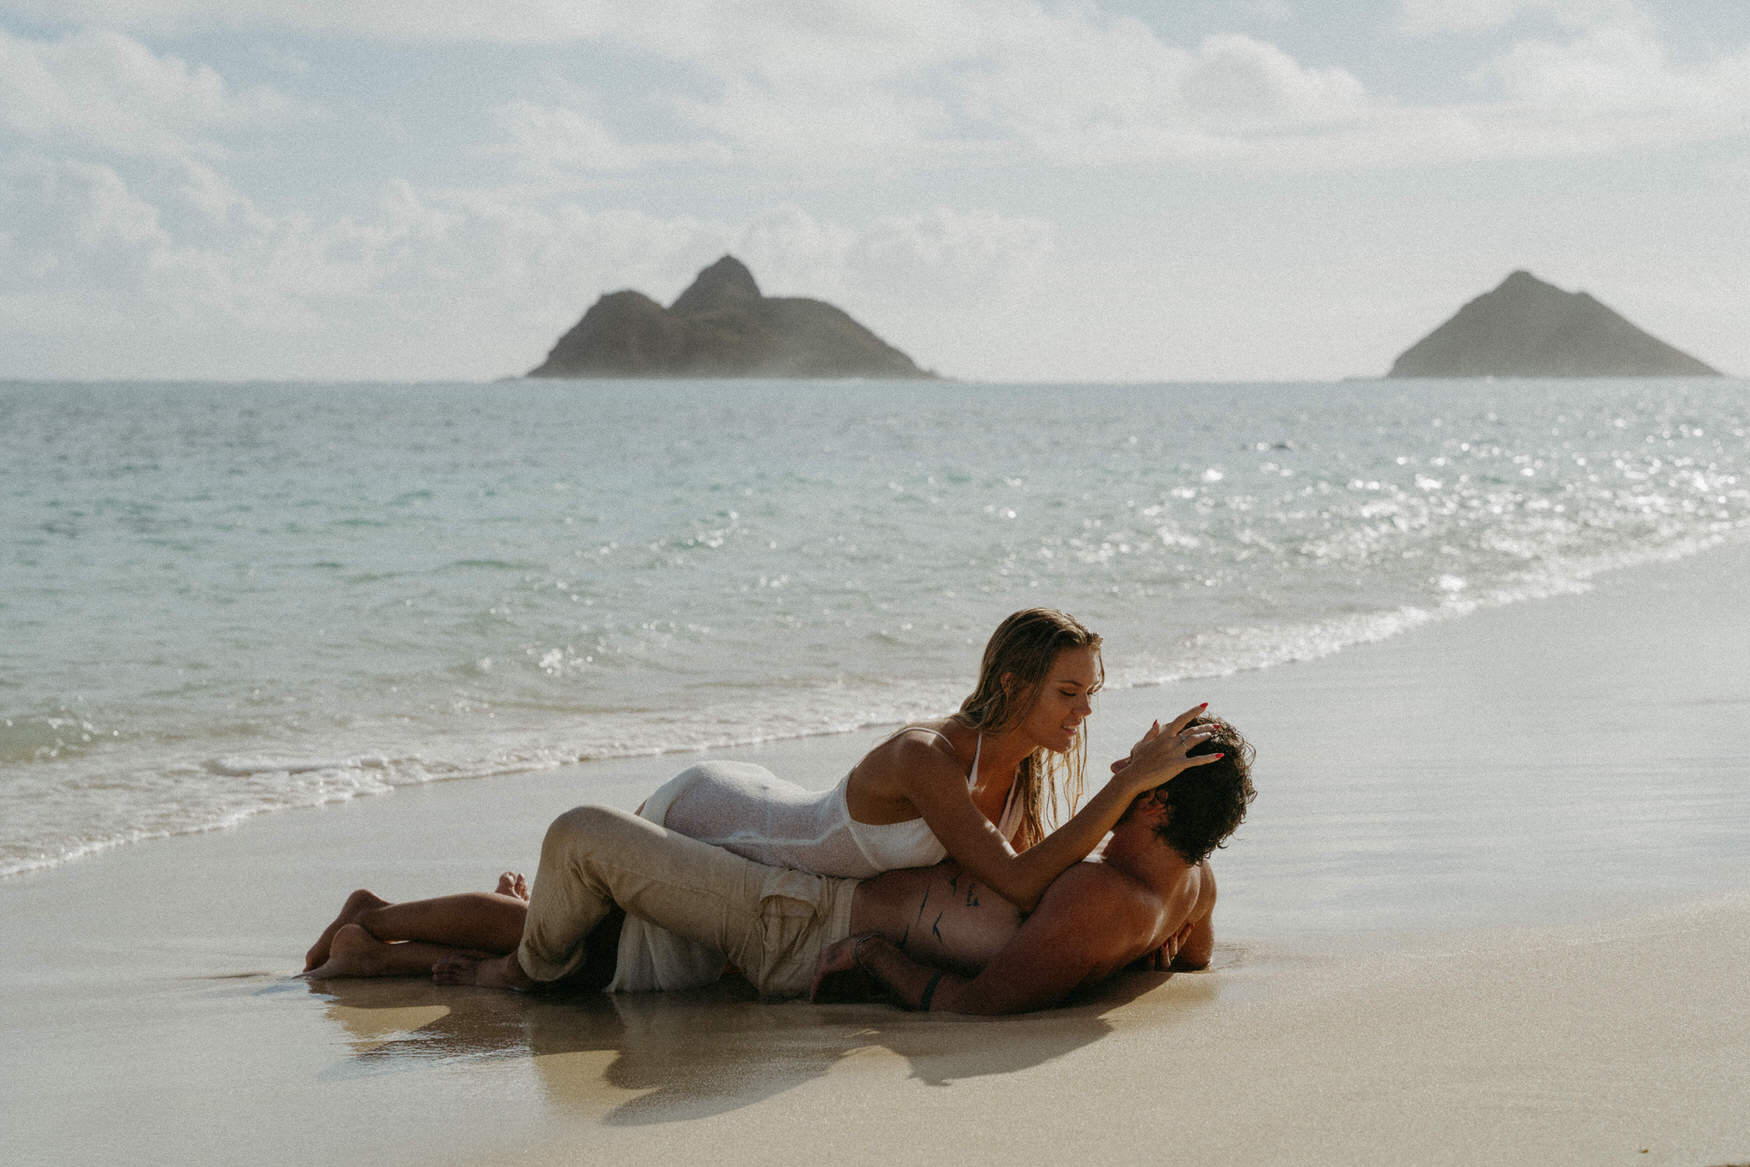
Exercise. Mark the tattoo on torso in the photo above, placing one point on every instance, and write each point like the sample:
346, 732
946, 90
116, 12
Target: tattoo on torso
957, 925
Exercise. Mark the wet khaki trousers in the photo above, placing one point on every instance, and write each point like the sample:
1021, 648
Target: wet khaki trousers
771, 923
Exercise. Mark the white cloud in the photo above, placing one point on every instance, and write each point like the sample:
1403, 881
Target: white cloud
550, 139
1624, 70
110, 91
838, 84
942, 253
828, 126
213, 197
1072, 84
465, 284
1077, 87
835, 83
486, 21
72, 227
815, 41
845, 87
1240, 81
560, 141
980, 245
1433, 17
62, 210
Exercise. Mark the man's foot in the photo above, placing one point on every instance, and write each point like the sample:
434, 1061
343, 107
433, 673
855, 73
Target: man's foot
357, 904
497, 972
512, 883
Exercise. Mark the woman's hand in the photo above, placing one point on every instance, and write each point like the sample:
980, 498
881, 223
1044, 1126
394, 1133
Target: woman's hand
1163, 753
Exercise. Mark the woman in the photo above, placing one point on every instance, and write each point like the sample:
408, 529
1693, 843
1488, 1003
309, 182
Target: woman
977, 786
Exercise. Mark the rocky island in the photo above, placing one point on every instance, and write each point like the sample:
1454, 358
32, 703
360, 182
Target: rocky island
722, 326
1527, 328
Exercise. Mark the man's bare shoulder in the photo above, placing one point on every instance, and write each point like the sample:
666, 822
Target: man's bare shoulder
1094, 890
1130, 904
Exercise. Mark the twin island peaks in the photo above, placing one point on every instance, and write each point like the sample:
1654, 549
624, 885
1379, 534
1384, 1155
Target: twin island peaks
723, 326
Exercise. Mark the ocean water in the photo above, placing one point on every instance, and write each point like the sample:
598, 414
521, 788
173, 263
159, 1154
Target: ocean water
221, 600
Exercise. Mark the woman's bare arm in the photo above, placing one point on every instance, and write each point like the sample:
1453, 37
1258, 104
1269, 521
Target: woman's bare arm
936, 788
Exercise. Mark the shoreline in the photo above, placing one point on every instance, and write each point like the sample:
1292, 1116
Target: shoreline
1130, 695
1399, 976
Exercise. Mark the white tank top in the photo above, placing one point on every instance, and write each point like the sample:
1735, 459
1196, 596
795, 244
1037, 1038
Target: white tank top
749, 810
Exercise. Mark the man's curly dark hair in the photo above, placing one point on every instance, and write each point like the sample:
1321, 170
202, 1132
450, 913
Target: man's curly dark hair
1208, 802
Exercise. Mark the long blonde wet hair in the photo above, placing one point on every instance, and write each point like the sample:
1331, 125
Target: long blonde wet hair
1017, 663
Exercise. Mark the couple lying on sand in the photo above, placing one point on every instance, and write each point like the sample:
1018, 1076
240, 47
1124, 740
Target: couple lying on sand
926, 876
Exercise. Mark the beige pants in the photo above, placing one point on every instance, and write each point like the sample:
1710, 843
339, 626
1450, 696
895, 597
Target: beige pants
770, 923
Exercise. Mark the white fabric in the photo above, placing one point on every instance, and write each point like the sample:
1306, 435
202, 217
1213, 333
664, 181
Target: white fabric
749, 810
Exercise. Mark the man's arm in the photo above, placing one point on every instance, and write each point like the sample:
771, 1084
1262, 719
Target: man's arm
1197, 939
1090, 923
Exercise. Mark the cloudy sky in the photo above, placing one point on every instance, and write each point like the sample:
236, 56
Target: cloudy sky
1005, 189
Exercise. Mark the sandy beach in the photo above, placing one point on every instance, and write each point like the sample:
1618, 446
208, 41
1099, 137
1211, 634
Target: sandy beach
1561, 981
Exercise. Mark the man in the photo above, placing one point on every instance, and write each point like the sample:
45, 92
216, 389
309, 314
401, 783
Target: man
928, 937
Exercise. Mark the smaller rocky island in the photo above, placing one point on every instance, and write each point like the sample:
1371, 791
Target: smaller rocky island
1527, 328
722, 326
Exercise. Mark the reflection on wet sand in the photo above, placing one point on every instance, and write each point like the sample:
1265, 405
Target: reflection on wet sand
690, 1055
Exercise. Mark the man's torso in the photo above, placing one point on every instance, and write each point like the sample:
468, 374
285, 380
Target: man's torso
939, 915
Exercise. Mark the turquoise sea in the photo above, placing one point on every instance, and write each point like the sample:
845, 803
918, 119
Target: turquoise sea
223, 600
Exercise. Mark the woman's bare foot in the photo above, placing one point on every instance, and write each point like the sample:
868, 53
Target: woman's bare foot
352, 952
497, 972
512, 883
357, 904
356, 953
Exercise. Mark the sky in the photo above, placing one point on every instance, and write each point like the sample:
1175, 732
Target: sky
1007, 190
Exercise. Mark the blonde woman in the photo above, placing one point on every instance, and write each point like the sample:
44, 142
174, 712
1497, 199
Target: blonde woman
979, 786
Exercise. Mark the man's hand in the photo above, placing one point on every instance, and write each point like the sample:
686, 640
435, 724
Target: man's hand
1161, 959
838, 976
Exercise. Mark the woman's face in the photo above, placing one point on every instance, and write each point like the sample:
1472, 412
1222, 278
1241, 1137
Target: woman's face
1063, 704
